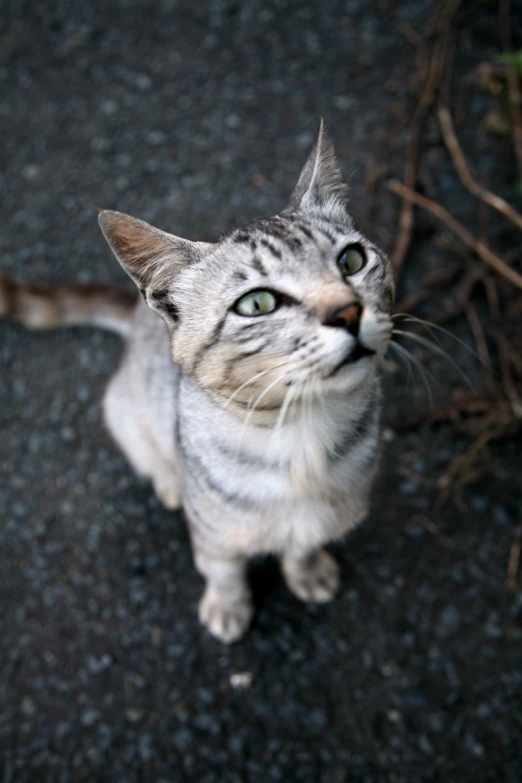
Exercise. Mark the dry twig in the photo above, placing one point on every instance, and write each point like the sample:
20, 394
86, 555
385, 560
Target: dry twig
459, 161
482, 348
428, 95
466, 402
512, 79
464, 468
435, 278
416, 478
416, 39
375, 173
456, 300
512, 584
504, 354
479, 247
495, 411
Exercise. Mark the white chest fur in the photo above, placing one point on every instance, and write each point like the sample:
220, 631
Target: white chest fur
265, 489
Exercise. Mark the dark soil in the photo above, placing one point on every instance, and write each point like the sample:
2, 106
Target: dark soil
197, 116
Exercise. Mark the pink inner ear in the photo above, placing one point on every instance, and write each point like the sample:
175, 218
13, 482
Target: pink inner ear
138, 246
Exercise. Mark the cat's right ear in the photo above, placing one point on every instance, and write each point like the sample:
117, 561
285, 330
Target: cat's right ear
320, 186
151, 257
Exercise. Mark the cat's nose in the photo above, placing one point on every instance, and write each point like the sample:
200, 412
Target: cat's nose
346, 317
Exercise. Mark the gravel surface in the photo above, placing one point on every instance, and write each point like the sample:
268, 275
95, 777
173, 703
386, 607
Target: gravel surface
197, 116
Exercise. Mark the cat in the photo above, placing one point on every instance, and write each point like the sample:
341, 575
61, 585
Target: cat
249, 389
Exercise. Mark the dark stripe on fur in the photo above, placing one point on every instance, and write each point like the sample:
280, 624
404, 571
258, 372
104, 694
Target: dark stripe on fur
306, 231
246, 354
258, 266
197, 468
358, 431
242, 457
231, 363
216, 334
247, 338
376, 269
161, 299
271, 249
245, 405
327, 234
280, 231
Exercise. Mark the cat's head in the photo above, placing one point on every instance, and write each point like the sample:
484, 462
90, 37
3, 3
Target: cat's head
301, 300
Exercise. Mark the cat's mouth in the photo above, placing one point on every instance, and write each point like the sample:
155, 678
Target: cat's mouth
359, 352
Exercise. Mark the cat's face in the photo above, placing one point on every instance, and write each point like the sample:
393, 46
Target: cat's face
284, 299
298, 302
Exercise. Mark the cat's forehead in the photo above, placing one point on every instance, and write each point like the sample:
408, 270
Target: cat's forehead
285, 241
289, 233
291, 251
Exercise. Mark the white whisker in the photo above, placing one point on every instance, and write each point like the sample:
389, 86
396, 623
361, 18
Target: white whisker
246, 383
422, 371
290, 395
430, 325
252, 379
428, 344
253, 408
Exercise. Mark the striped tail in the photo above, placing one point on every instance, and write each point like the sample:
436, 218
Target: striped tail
68, 305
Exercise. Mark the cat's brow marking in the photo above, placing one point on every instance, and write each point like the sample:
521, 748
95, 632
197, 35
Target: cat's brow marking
258, 266
271, 249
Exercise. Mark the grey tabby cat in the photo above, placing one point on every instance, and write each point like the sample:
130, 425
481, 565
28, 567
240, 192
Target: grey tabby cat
249, 390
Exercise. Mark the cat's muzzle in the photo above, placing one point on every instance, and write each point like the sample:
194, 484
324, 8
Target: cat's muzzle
359, 351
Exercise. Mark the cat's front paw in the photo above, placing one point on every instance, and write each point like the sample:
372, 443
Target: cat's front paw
227, 620
312, 579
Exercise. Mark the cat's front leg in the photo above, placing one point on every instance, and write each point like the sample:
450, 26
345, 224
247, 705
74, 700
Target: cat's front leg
226, 607
312, 575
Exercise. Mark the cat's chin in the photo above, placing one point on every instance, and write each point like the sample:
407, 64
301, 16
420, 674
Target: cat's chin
359, 353
350, 374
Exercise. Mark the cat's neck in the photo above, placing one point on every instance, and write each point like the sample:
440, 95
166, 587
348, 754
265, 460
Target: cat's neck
322, 412
303, 446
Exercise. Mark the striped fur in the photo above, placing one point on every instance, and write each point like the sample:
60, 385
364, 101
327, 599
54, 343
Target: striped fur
262, 427
68, 305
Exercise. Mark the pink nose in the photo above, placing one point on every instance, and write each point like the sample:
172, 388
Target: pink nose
346, 317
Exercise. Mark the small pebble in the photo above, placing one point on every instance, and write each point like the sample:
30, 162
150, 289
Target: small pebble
133, 714
241, 680
31, 172
28, 707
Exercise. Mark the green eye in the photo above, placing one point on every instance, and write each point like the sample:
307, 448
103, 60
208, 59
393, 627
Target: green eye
351, 260
256, 303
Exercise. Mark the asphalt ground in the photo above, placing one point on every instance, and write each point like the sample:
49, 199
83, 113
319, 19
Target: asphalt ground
197, 117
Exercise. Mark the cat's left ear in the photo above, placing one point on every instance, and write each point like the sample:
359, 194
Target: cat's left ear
320, 184
151, 257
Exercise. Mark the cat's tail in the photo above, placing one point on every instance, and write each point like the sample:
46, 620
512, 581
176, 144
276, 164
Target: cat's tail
67, 305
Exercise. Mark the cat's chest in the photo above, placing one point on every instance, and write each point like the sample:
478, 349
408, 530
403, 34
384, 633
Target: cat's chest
261, 488
303, 458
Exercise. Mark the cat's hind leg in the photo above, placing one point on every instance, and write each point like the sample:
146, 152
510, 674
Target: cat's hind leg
129, 430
